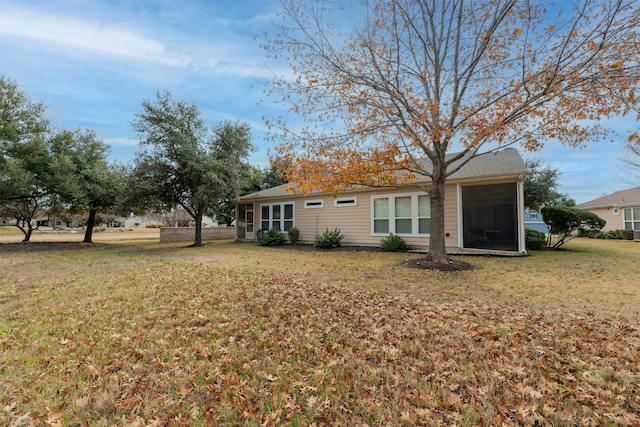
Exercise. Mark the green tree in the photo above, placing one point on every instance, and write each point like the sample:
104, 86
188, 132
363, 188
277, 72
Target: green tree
25, 176
564, 221
253, 179
84, 180
540, 187
182, 162
224, 211
384, 85
273, 175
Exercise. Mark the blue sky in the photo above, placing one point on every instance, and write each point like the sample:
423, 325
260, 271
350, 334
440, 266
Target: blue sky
93, 62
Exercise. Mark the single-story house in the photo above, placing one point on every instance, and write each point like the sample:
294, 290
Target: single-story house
534, 221
483, 209
7, 222
621, 209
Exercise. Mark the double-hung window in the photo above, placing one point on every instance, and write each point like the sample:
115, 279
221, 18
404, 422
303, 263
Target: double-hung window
277, 215
406, 214
632, 218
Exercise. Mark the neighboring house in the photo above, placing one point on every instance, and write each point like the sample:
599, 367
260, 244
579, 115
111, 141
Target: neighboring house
6, 222
621, 209
483, 209
534, 221
135, 221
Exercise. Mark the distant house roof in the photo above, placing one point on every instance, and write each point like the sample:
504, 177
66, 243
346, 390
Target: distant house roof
505, 162
630, 197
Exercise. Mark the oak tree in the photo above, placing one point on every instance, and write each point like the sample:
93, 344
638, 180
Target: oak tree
182, 162
393, 91
540, 187
25, 187
84, 179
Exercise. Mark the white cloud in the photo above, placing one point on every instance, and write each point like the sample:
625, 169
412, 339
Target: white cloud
87, 35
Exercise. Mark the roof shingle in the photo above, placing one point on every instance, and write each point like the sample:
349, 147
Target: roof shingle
505, 162
630, 197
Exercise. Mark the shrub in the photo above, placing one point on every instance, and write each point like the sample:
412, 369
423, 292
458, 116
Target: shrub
535, 240
273, 237
394, 243
613, 235
564, 221
619, 235
294, 235
627, 234
154, 225
328, 239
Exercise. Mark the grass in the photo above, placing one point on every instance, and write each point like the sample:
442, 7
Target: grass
236, 334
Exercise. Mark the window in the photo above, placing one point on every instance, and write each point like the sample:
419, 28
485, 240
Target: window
632, 219
345, 201
313, 204
403, 215
408, 214
277, 215
381, 216
534, 215
616, 211
424, 215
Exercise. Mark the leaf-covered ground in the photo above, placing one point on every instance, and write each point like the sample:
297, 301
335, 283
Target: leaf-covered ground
115, 335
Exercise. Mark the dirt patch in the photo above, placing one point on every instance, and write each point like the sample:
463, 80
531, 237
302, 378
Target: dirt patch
425, 264
311, 248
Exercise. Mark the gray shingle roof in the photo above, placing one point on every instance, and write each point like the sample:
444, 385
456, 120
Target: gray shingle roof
505, 162
630, 197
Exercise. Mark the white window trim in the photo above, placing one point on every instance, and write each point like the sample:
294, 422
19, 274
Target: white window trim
616, 211
282, 219
415, 220
631, 221
343, 202
314, 204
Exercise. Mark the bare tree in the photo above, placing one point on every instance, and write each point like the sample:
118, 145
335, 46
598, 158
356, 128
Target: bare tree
631, 158
384, 85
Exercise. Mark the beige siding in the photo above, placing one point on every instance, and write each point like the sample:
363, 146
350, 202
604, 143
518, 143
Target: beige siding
614, 222
355, 222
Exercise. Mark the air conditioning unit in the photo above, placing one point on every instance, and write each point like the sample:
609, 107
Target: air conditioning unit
636, 235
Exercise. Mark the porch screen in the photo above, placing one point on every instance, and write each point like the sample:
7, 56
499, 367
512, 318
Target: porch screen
489, 217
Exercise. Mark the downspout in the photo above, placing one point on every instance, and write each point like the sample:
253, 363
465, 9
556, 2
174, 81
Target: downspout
460, 219
522, 245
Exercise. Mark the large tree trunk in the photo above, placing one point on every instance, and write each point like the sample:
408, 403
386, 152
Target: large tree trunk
91, 222
27, 233
197, 241
437, 248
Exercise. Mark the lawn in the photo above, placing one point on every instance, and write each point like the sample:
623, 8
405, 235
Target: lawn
142, 333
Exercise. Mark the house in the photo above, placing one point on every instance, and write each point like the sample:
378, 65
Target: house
483, 209
534, 221
621, 209
7, 222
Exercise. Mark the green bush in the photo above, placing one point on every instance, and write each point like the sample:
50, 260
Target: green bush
294, 235
328, 239
627, 234
591, 234
394, 243
535, 240
619, 235
273, 237
613, 235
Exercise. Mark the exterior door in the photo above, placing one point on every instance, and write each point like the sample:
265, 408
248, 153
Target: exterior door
248, 219
244, 222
